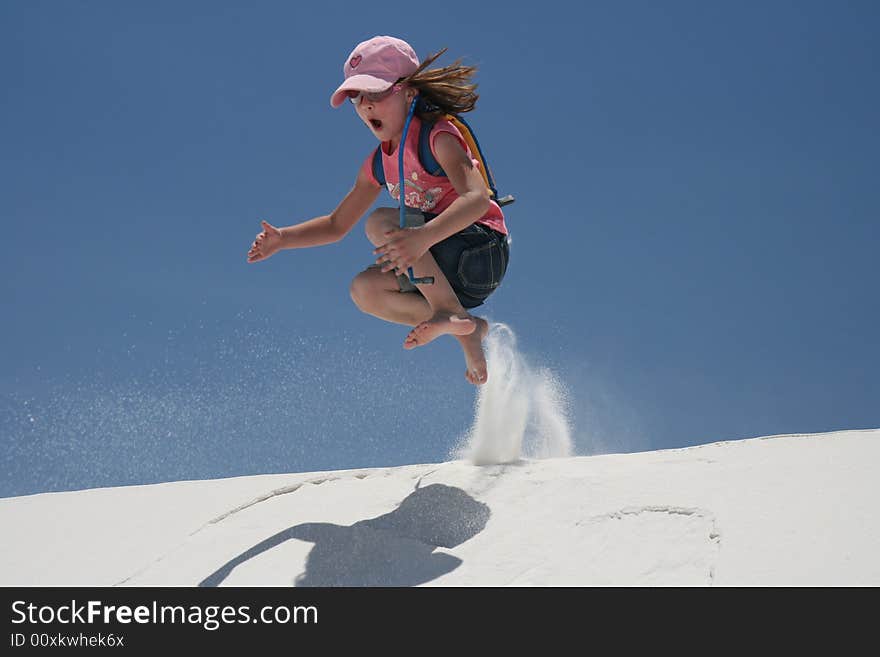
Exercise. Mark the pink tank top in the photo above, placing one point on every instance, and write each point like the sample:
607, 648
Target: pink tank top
423, 191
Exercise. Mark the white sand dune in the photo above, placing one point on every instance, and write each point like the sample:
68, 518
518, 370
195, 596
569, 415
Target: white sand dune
782, 510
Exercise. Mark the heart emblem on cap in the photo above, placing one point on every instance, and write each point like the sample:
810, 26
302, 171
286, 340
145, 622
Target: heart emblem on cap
355, 61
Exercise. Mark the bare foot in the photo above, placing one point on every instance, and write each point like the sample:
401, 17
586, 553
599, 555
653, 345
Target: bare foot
474, 357
438, 325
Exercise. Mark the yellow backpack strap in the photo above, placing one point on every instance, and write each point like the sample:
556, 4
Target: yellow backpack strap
471, 140
474, 147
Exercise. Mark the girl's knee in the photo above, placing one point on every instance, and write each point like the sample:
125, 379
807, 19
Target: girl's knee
364, 289
379, 222
358, 289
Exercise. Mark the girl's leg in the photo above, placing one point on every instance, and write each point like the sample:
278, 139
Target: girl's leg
448, 315
435, 312
377, 294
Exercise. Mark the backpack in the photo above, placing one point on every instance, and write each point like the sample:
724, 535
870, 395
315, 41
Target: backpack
432, 166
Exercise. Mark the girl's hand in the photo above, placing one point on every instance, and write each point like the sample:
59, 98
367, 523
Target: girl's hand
265, 244
402, 248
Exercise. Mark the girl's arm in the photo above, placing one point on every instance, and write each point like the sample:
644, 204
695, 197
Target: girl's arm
473, 196
320, 230
336, 225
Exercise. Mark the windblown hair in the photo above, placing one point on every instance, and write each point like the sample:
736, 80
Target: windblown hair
445, 90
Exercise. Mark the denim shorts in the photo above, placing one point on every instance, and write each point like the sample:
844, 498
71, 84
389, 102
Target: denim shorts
474, 261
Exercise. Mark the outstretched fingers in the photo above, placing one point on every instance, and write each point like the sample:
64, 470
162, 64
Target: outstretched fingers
258, 249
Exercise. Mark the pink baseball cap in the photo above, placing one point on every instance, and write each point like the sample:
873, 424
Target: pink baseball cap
374, 65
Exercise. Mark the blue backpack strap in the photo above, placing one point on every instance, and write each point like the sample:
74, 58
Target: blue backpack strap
426, 157
378, 168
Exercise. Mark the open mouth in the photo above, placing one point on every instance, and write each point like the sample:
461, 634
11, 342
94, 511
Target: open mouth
376, 123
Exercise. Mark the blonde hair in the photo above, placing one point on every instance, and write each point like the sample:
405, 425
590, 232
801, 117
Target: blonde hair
445, 90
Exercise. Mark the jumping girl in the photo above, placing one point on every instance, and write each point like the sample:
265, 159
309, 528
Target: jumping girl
455, 233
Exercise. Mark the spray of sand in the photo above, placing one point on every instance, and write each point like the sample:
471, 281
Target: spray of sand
521, 412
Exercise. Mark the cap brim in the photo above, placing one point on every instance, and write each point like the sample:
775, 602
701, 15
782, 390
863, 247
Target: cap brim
359, 83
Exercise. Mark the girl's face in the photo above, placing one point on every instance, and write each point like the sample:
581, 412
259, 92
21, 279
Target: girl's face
385, 114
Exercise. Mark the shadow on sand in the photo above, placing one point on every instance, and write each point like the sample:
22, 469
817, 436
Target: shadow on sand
395, 549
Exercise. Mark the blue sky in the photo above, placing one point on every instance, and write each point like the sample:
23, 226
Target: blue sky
694, 241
